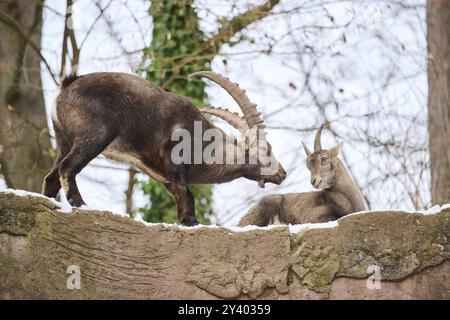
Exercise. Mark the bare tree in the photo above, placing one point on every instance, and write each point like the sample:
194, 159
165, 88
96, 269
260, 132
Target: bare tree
25, 150
438, 22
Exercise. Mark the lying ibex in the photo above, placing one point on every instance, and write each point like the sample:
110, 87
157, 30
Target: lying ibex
338, 196
131, 120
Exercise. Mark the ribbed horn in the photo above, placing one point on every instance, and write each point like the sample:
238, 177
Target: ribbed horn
232, 118
251, 114
317, 143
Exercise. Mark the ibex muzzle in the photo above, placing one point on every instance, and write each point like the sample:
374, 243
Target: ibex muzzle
131, 120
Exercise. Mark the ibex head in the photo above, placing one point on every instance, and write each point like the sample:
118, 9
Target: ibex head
322, 163
270, 170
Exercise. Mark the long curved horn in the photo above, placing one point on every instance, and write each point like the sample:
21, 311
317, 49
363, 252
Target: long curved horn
317, 143
232, 118
251, 115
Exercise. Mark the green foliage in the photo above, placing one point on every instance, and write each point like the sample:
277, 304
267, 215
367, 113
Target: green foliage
175, 53
177, 49
163, 207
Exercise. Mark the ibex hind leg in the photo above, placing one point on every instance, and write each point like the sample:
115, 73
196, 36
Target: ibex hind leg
263, 213
83, 150
52, 185
192, 220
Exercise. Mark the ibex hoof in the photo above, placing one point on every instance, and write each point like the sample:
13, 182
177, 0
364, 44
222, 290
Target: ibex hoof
190, 223
76, 202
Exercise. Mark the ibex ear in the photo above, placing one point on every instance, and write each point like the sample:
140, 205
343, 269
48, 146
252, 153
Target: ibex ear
336, 149
308, 153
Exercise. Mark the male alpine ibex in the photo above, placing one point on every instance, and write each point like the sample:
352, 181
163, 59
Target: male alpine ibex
338, 196
131, 120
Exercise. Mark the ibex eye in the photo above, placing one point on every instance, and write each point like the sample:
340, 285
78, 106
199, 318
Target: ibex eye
323, 159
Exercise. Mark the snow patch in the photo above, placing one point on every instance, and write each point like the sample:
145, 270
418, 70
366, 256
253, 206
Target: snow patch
296, 228
140, 219
23, 193
66, 208
63, 207
250, 228
292, 228
433, 210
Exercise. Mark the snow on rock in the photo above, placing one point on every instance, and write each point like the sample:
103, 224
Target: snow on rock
63, 208
139, 218
292, 228
432, 210
250, 228
296, 228
23, 193
66, 208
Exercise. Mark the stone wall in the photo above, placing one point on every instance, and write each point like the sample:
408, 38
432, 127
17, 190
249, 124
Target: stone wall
121, 258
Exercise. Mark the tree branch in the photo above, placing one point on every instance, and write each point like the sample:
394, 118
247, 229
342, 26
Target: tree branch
69, 34
225, 33
240, 22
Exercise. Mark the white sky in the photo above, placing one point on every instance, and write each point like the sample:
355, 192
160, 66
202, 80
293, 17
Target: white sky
360, 65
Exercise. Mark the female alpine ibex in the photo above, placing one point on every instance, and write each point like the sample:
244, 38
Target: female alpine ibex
338, 196
133, 121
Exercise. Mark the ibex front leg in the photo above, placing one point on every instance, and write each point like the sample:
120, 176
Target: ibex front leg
184, 198
185, 204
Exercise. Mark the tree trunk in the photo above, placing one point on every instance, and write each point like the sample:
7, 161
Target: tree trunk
438, 23
86, 254
25, 149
